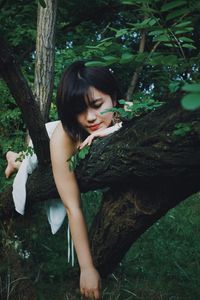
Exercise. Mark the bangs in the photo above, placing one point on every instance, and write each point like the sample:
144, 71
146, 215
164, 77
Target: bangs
80, 98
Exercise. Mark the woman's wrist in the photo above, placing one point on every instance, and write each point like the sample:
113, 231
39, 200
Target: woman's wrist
87, 267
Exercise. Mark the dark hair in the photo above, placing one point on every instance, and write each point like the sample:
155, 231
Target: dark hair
74, 89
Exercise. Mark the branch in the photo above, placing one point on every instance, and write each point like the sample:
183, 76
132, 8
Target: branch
138, 70
148, 168
24, 98
141, 151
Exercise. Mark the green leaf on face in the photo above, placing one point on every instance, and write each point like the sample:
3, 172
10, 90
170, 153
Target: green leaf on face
42, 3
172, 5
191, 101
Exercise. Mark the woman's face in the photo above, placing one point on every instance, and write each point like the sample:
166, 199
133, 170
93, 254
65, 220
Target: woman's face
91, 119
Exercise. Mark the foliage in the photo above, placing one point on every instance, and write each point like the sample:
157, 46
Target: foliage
192, 100
28, 151
130, 110
164, 263
75, 159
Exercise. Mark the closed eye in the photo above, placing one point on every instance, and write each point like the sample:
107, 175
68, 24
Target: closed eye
97, 105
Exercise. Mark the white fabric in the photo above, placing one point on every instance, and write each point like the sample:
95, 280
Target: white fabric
55, 209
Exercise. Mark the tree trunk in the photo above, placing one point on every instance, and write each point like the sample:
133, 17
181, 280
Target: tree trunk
149, 166
24, 98
155, 163
45, 53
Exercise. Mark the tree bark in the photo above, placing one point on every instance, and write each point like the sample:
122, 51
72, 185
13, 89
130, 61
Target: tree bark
24, 98
45, 54
149, 168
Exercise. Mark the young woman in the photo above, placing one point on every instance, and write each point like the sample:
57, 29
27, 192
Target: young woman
84, 94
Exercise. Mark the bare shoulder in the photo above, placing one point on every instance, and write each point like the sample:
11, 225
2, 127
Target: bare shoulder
61, 140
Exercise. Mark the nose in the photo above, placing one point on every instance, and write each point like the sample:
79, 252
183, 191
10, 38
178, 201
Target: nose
91, 115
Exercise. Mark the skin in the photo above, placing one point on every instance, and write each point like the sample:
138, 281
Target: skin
61, 148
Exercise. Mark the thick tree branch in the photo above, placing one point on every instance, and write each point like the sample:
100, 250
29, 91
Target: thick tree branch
23, 96
149, 169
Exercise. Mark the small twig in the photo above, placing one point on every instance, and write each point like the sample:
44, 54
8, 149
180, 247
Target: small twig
135, 77
178, 43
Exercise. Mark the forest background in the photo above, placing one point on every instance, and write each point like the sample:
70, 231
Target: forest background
153, 49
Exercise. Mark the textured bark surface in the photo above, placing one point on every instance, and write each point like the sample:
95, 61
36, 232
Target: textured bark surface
148, 164
45, 53
24, 98
149, 169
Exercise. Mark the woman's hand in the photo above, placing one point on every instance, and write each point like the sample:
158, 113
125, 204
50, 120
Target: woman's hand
100, 133
90, 283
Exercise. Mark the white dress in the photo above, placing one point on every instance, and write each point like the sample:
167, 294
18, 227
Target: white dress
55, 209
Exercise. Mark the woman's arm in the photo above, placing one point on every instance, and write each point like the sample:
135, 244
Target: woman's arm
62, 147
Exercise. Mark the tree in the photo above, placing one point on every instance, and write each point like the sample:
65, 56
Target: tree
159, 166
45, 52
173, 157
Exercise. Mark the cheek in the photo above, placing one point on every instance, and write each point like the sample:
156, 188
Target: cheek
107, 118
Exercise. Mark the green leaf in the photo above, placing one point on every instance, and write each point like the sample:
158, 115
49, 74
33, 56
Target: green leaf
183, 24
83, 152
121, 32
128, 2
157, 32
110, 59
181, 129
122, 101
191, 101
163, 38
177, 13
174, 86
152, 22
171, 5
126, 58
194, 88
95, 64
171, 45
189, 46
42, 3
184, 30
185, 39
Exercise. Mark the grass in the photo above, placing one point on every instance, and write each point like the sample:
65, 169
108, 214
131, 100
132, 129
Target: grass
164, 264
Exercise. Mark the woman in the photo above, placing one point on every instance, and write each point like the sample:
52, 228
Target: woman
84, 94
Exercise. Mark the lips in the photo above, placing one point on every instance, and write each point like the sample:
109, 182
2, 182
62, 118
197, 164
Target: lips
94, 127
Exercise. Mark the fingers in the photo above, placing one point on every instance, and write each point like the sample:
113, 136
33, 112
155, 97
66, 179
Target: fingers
94, 295
87, 141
